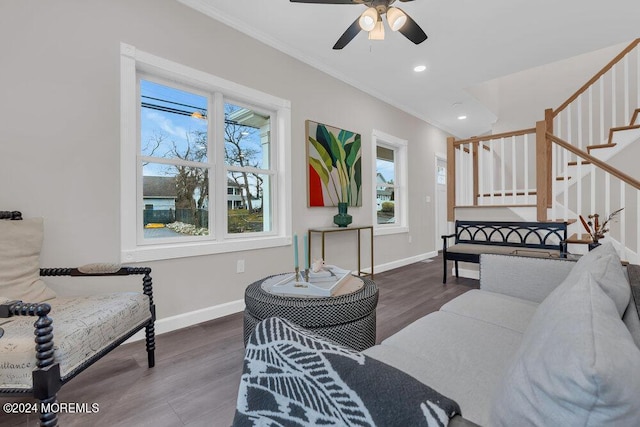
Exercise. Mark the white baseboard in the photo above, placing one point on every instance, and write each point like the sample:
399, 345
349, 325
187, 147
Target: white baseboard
402, 262
184, 320
191, 318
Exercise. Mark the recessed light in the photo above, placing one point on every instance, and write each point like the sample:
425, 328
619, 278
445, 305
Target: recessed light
462, 117
420, 68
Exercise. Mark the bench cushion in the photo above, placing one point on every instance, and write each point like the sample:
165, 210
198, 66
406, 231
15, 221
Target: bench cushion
83, 327
477, 249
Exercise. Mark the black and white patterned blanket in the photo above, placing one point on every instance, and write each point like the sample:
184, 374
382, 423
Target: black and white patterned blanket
293, 377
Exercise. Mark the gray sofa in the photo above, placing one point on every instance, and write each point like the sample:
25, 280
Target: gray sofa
539, 343
543, 342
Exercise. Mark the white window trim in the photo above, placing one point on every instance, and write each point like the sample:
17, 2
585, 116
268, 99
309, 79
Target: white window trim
401, 166
133, 60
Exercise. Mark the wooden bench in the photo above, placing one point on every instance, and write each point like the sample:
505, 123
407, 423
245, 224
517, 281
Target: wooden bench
472, 238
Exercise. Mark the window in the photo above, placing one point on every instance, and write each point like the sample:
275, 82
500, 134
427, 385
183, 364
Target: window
205, 162
390, 183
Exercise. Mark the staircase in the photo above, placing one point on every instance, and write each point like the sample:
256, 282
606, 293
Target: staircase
576, 162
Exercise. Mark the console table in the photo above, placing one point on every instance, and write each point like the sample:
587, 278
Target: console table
357, 229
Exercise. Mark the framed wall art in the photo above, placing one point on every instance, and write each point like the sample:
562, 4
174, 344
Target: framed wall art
334, 163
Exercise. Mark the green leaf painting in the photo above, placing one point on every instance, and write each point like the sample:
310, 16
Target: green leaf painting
334, 164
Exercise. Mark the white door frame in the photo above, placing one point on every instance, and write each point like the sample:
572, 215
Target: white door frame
438, 238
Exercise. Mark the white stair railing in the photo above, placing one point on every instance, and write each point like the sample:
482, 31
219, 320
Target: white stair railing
602, 191
495, 169
608, 101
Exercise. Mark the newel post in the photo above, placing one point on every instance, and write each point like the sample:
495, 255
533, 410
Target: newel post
476, 186
451, 178
543, 170
548, 118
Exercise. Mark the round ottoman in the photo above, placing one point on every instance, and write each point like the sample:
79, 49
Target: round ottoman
348, 319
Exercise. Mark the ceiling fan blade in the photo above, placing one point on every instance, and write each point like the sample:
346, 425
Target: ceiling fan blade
348, 35
327, 1
412, 31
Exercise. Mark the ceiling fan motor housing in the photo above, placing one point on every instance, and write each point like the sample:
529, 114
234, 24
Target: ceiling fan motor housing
381, 5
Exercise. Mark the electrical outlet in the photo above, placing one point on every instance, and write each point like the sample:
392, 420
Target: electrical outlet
240, 266
410, 238
427, 199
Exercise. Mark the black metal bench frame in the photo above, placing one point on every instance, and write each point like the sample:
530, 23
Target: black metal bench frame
547, 235
46, 377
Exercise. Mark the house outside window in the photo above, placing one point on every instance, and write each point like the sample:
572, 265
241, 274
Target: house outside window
205, 162
389, 183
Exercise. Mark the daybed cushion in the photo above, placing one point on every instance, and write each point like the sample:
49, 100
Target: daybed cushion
83, 326
497, 309
20, 244
294, 377
460, 357
577, 366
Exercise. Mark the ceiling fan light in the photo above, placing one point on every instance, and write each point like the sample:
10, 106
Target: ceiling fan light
396, 18
378, 31
368, 19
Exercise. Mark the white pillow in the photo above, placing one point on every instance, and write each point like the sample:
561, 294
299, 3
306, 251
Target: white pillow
577, 365
607, 269
20, 243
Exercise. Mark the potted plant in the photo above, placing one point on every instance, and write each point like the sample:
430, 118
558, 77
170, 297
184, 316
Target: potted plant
596, 229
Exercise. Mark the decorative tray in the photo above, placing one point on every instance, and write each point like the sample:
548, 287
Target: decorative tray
321, 284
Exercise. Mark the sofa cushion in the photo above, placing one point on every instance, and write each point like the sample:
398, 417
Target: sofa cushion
292, 376
577, 365
607, 269
460, 357
82, 327
497, 309
20, 243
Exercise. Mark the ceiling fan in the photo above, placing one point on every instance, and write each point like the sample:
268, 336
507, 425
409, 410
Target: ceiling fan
371, 21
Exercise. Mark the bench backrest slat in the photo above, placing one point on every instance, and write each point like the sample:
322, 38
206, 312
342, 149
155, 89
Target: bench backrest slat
540, 235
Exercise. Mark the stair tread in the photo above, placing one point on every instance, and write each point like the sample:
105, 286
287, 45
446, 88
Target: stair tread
509, 193
621, 128
598, 146
496, 206
575, 163
561, 178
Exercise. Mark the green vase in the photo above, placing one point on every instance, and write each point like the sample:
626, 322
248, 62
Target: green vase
343, 218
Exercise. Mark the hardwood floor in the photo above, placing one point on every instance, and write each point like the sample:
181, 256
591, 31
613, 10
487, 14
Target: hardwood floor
198, 369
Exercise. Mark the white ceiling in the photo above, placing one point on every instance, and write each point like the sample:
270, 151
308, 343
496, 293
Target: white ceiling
470, 42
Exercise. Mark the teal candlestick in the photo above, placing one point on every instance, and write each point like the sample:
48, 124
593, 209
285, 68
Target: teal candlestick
296, 265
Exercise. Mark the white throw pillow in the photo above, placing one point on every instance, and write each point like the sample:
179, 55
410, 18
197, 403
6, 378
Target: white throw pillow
577, 365
20, 243
607, 269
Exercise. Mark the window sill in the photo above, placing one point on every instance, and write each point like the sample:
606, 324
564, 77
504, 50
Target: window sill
383, 231
183, 250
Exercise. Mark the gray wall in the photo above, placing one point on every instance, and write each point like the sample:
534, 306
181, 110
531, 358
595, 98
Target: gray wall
60, 136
